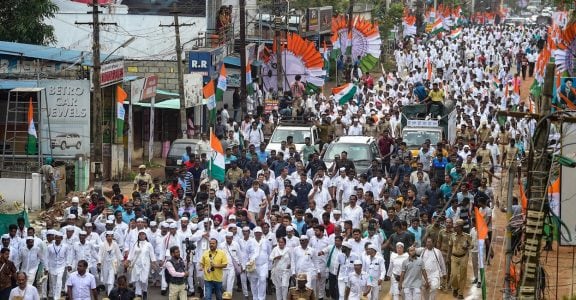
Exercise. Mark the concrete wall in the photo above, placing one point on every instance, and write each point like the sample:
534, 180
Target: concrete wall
167, 71
13, 191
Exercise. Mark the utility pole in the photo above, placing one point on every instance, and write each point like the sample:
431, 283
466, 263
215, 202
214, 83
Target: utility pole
96, 104
177, 25
278, 42
348, 69
243, 63
539, 163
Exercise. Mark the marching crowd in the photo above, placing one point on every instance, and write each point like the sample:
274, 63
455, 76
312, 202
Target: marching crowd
283, 222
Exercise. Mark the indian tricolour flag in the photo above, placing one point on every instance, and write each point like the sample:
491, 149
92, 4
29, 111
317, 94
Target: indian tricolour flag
456, 33
482, 230
249, 87
344, 93
437, 26
217, 159
31, 143
210, 98
121, 95
220, 89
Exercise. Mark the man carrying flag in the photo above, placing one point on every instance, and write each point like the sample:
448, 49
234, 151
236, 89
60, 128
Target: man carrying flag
482, 232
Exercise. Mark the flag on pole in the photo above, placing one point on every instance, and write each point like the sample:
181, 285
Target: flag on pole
326, 60
349, 46
456, 33
217, 159
437, 26
31, 143
249, 87
222, 84
344, 93
429, 69
210, 100
121, 95
482, 230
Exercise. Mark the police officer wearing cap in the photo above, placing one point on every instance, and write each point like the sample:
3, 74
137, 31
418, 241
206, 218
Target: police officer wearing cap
300, 291
460, 243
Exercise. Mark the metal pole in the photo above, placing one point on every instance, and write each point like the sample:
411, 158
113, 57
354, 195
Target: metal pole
130, 136
97, 93
151, 129
183, 125
243, 58
509, 250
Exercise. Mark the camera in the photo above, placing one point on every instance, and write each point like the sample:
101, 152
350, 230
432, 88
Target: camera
190, 246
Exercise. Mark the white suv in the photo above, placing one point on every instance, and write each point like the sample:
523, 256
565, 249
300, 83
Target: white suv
67, 140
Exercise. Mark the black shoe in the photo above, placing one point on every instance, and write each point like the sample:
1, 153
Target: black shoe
478, 285
475, 281
190, 294
163, 292
455, 293
145, 296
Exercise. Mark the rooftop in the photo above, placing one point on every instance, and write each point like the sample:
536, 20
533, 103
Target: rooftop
51, 53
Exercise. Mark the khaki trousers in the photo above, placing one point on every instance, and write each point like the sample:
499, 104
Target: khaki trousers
458, 271
177, 292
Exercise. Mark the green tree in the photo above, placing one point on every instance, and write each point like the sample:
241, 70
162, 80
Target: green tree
388, 18
22, 21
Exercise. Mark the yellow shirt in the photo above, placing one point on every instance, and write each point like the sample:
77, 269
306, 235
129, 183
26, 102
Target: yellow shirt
436, 96
217, 257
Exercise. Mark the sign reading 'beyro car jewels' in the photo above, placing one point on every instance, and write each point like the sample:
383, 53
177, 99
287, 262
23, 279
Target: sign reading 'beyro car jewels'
65, 123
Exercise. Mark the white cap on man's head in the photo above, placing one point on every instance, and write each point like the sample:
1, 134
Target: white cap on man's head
75, 199
258, 229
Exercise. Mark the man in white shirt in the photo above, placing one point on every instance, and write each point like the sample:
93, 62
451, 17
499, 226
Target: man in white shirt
255, 199
353, 212
29, 257
24, 291
81, 284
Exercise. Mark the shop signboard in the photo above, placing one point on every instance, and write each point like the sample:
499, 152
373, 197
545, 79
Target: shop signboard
66, 120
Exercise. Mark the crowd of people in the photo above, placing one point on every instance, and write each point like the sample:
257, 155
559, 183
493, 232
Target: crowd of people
283, 222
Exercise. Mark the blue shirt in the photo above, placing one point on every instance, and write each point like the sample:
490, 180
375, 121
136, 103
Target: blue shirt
262, 156
126, 217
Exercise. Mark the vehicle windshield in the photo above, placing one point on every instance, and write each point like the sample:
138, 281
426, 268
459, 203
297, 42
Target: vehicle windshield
415, 139
180, 148
356, 152
298, 135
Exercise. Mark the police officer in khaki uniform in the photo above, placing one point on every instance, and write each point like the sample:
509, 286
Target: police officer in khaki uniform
300, 291
460, 243
443, 244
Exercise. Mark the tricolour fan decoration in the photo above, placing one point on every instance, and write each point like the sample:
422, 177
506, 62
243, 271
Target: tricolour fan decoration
299, 57
565, 52
362, 41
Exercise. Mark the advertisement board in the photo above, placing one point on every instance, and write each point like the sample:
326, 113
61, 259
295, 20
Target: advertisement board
562, 202
143, 88
325, 18
193, 84
67, 117
112, 73
206, 62
313, 19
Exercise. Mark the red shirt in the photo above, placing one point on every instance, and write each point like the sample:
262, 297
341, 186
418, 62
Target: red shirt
385, 145
329, 228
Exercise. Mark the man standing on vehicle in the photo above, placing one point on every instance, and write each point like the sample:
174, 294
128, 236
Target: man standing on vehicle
386, 146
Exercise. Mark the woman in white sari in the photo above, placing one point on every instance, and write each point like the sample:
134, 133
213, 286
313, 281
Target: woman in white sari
140, 259
280, 257
109, 257
395, 269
